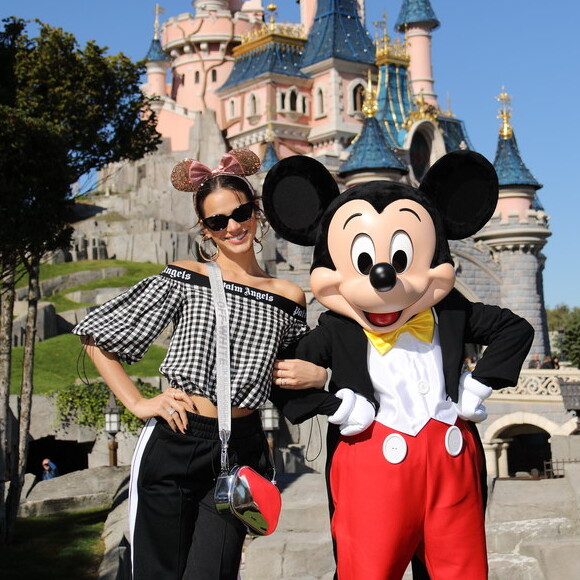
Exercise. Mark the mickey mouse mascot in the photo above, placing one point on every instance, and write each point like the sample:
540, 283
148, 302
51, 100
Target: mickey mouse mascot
405, 462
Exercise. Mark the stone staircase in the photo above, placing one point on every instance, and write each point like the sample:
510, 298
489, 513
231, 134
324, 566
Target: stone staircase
301, 548
533, 528
533, 532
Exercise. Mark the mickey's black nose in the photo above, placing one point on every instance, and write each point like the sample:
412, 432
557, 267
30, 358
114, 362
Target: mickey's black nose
383, 276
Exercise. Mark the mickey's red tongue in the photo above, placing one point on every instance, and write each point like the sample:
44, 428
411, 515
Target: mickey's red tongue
383, 318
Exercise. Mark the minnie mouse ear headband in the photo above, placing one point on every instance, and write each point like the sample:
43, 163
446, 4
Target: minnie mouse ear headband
190, 175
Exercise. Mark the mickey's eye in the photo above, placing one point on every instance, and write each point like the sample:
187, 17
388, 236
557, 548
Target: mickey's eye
401, 252
362, 254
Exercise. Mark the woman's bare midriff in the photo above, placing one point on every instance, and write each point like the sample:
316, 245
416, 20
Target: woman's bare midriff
206, 408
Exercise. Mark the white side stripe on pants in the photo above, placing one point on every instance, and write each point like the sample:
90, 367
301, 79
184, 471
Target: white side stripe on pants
135, 465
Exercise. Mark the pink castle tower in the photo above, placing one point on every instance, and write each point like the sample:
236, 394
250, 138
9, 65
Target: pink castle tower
416, 20
200, 50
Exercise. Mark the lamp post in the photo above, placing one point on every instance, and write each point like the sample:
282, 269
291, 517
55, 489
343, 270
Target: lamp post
270, 422
112, 427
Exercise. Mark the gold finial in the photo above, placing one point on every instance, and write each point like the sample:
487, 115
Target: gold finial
449, 112
272, 9
370, 105
505, 114
422, 111
381, 35
158, 10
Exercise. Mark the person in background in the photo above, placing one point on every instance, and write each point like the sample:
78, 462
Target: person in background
49, 469
547, 362
535, 362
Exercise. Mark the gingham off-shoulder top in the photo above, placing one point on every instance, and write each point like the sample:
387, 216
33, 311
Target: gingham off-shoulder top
261, 323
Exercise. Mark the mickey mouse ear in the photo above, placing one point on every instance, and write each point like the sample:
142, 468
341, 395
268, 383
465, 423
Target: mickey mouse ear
464, 186
295, 195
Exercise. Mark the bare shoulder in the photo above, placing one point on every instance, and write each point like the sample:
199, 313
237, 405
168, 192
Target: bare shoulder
191, 265
288, 290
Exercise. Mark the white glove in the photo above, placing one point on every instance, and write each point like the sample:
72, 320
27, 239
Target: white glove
471, 395
355, 413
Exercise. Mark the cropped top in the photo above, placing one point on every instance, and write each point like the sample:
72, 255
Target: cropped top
261, 324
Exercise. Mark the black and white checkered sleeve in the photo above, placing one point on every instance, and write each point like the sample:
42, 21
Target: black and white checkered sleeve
128, 324
296, 330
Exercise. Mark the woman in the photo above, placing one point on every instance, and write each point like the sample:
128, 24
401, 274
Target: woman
175, 528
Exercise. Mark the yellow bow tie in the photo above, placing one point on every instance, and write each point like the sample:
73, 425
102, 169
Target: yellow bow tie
420, 326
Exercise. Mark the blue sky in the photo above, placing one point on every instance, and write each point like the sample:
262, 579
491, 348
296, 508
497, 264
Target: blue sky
528, 47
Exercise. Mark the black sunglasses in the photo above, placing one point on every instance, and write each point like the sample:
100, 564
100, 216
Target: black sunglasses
219, 221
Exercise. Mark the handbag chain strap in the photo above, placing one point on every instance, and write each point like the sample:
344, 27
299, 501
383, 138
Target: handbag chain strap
222, 338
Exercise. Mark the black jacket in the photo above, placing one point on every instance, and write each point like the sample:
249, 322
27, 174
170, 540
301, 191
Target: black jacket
340, 344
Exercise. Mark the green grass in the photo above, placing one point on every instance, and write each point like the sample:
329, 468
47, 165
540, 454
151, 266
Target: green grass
134, 269
63, 546
134, 272
55, 364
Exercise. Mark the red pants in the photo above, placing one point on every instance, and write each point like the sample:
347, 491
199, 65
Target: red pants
429, 504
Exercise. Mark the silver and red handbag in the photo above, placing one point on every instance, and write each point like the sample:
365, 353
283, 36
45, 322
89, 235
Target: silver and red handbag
252, 498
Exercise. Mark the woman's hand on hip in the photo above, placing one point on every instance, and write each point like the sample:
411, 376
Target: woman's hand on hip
172, 405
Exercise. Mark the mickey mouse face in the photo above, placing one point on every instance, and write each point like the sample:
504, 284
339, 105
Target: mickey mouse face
381, 253
382, 260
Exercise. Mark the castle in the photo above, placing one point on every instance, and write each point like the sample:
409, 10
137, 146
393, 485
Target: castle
229, 75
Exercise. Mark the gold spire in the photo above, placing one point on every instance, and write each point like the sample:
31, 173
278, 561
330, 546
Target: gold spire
158, 10
505, 114
290, 35
423, 111
448, 112
387, 52
370, 105
272, 9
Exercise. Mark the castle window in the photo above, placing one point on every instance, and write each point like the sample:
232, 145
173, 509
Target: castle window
214, 76
293, 100
231, 109
319, 103
197, 77
253, 105
358, 97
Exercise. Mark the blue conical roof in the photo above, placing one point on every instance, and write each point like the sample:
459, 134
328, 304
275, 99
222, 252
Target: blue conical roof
155, 51
371, 151
509, 166
271, 58
337, 32
270, 157
416, 12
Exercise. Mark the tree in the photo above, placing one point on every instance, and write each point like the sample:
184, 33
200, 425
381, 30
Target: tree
64, 111
557, 317
570, 344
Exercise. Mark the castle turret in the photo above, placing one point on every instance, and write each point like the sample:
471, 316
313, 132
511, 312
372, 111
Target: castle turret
337, 55
157, 62
371, 156
266, 96
416, 20
517, 233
